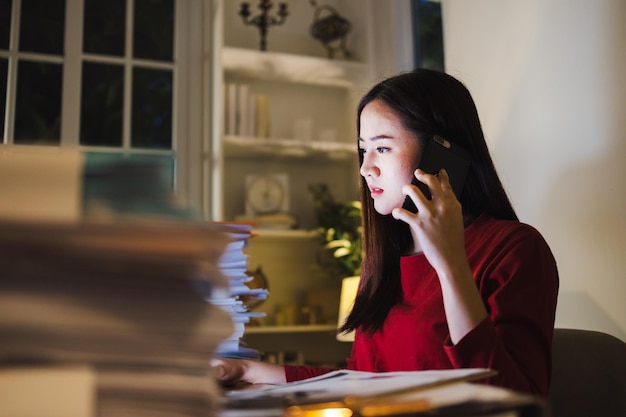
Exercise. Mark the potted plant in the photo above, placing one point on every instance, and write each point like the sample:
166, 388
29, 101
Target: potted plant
339, 225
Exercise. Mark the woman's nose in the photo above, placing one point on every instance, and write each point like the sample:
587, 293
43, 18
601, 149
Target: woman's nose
367, 167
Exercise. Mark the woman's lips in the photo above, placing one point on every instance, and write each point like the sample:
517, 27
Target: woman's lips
375, 191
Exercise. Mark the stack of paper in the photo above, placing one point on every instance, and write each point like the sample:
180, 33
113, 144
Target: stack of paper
233, 264
104, 286
127, 299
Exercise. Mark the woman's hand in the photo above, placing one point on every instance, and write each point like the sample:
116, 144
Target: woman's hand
437, 227
438, 231
233, 371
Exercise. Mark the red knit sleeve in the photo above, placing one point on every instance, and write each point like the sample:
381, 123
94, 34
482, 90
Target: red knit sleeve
519, 286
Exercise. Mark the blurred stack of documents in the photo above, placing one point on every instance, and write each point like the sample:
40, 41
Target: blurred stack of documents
234, 264
127, 299
105, 286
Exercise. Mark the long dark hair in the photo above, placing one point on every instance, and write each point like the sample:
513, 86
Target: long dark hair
428, 102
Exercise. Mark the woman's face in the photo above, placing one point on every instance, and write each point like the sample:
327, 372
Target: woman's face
389, 155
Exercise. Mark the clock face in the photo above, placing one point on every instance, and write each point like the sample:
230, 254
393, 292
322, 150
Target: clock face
266, 194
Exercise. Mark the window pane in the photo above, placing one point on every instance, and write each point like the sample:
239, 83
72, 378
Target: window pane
154, 29
38, 103
428, 34
42, 26
5, 23
105, 27
152, 109
102, 100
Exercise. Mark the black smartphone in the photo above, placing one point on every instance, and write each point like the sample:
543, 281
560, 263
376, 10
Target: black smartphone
437, 154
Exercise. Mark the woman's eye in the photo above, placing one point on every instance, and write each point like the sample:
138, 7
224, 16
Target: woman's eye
362, 151
382, 149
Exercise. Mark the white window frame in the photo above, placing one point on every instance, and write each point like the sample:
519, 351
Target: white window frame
191, 91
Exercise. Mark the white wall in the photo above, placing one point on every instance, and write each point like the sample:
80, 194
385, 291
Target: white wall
549, 80
391, 24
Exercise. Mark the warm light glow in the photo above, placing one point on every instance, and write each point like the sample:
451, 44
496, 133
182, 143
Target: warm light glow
349, 287
320, 412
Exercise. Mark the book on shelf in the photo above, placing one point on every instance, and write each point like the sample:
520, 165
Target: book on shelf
262, 116
246, 113
230, 108
243, 110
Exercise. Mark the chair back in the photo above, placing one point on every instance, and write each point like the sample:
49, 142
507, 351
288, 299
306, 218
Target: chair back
588, 374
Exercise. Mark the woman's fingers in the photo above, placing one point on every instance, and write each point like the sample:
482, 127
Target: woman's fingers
444, 180
439, 188
227, 371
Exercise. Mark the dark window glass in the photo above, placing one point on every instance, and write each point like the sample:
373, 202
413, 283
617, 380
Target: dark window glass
4, 70
428, 34
152, 109
154, 30
5, 23
105, 27
38, 103
101, 104
42, 26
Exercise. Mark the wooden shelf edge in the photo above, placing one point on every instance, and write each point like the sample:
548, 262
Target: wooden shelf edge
302, 328
242, 146
293, 68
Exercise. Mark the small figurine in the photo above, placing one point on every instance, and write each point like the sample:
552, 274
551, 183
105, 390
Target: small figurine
331, 29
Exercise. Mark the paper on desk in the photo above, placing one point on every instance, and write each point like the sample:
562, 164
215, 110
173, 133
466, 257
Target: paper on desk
343, 383
462, 392
451, 400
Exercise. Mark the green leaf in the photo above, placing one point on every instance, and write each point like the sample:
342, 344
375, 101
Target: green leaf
341, 252
341, 243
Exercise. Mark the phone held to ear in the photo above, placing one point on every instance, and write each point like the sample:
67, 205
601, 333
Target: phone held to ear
438, 154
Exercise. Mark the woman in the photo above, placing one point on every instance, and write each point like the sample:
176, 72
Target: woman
459, 284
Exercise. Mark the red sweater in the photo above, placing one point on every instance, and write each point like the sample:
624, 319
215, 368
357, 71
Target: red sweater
517, 278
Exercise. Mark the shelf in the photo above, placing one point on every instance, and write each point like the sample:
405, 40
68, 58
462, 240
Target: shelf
310, 96
293, 68
238, 146
302, 328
